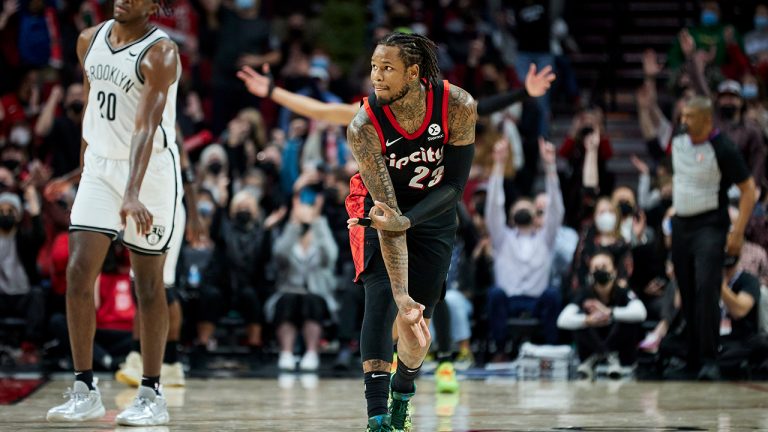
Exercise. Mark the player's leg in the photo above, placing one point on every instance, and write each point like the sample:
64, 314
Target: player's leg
94, 223
160, 194
376, 342
86, 255
149, 407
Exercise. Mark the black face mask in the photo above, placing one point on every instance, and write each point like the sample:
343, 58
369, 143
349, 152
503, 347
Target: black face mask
76, 108
243, 217
7, 222
728, 112
215, 168
601, 277
626, 208
522, 218
11, 164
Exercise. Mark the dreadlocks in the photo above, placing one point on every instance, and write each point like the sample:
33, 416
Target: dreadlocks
416, 49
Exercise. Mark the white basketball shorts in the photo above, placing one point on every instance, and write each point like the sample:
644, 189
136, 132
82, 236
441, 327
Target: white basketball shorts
100, 195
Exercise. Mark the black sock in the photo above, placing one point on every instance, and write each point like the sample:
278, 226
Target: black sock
376, 392
151, 382
86, 377
404, 377
171, 355
136, 346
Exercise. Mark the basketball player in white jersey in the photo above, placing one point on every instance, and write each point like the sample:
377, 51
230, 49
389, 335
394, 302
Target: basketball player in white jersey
130, 182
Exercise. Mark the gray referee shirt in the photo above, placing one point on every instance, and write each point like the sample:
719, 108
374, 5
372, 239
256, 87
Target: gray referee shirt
703, 172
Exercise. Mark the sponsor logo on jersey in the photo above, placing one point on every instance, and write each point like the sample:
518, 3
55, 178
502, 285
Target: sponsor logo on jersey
155, 234
389, 143
435, 131
428, 155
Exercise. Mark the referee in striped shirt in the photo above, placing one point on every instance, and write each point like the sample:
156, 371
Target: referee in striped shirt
705, 164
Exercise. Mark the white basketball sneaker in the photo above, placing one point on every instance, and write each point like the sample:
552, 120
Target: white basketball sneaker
172, 375
130, 371
83, 405
147, 409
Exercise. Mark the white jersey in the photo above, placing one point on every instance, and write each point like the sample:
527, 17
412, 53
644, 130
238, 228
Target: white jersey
116, 84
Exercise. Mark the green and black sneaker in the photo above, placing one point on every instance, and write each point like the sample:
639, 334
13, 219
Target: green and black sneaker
380, 423
399, 409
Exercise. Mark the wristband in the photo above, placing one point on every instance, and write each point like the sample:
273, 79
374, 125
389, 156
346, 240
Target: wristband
188, 176
364, 222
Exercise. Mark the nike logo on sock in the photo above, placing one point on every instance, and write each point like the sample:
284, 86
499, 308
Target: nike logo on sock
378, 376
389, 143
412, 371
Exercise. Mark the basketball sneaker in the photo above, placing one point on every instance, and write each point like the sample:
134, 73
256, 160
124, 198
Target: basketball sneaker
130, 371
286, 361
148, 409
445, 378
614, 370
310, 361
172, 375
83, 404
586, 369
380, 423
400, 411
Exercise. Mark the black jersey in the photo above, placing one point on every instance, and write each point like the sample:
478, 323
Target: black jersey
415, 163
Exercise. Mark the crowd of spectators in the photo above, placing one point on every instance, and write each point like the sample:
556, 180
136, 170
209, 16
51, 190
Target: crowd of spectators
560, 242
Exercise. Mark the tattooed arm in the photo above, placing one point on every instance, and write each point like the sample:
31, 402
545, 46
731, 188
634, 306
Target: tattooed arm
366, 148
462, 116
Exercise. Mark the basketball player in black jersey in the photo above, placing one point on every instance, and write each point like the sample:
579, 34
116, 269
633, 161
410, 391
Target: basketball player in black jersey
414, 142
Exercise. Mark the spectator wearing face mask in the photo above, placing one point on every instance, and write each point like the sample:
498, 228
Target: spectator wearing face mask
743, 132
710, 34
20, 292
523, 253
605, 319
236, 278
305, 254
62, 133
602, 231
756, 41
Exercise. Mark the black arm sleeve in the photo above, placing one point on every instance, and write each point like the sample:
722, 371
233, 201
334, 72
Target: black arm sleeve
458, 161
491, 104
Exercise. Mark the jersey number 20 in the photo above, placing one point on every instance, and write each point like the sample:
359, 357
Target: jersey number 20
422, 172
107, 105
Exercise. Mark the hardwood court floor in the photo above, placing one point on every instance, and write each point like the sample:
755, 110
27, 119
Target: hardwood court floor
296, 403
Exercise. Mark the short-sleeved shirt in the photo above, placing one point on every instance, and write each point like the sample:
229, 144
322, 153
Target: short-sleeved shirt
747, 326
703, 173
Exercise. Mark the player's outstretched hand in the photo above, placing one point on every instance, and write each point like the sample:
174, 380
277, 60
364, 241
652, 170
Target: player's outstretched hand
536, 84
257, 83
412, 313
134, 209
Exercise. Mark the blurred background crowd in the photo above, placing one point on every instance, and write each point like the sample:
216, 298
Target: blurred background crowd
271, 184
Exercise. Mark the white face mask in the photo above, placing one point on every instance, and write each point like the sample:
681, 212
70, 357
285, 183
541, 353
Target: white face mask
606, 222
